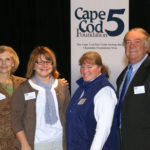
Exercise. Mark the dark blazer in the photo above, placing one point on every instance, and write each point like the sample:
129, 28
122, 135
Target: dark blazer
135, 130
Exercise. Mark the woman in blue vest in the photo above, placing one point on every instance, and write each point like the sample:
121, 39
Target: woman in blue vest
91, 118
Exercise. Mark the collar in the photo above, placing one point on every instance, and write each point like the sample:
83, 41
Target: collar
138, 64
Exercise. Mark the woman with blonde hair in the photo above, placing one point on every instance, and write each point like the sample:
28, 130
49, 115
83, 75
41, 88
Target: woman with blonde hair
39, 105
9, 62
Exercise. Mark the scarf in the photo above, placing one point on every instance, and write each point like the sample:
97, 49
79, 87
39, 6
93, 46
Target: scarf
50, 110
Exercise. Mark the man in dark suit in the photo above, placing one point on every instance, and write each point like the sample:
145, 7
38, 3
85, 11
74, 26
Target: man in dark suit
134, 109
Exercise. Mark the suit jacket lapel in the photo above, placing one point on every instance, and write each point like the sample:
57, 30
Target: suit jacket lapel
138, 77
120, 79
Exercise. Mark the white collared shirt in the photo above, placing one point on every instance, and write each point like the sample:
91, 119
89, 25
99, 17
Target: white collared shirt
104, 104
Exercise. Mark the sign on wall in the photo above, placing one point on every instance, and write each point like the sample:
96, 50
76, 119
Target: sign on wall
98, 25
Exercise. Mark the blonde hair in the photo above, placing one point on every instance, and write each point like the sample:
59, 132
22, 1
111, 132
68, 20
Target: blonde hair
49, 55
14, 55
93, 57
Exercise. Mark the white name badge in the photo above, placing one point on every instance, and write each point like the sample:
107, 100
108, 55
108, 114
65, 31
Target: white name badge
30, 95
82, 101
2, 96
139, 89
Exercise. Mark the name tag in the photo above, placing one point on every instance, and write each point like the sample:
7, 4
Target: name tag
139, 89
82, 101
30, 95
2, 96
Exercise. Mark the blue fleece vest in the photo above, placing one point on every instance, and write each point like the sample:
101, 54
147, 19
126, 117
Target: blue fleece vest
81, 123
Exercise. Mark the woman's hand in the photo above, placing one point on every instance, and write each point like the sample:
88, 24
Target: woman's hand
65, 82
23, 140
25, 147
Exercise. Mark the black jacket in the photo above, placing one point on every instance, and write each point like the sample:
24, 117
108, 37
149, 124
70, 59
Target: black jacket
135, 130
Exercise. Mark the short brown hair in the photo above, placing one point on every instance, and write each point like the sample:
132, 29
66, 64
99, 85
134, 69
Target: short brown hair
93, 57
14, 55
49, 55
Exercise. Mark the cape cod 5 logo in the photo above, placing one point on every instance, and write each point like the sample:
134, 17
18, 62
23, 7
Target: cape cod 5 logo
92, 23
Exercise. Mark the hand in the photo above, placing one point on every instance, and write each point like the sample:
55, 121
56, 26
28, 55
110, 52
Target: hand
26, 147
23, 140
65, 82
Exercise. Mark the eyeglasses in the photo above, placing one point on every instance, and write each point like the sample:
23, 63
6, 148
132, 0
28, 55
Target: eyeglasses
44, 62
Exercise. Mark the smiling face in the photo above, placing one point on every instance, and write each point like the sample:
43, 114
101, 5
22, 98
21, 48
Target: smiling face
6, 62
89, 71
135, 47
43, 67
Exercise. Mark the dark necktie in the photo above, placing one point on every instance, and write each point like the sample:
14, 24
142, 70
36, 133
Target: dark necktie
123, 92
